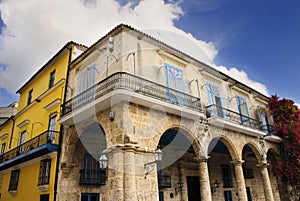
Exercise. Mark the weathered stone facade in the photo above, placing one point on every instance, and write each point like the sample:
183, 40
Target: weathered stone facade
199, 149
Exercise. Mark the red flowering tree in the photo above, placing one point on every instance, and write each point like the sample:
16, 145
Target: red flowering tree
286, 117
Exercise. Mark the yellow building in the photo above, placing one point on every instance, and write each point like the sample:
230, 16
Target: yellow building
29, 140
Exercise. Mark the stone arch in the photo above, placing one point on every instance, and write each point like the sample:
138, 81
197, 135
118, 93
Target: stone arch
254, 148
229, 145
75, 137
188, 133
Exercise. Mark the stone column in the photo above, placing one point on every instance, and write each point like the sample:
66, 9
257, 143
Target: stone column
115, 180
129, 176
204, 179
266, 182
240, 181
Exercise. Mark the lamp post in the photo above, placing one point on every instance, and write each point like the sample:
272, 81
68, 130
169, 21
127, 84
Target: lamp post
215, 186
149, 167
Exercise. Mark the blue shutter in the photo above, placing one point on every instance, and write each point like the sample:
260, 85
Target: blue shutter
243, 110
174, 80
214, 99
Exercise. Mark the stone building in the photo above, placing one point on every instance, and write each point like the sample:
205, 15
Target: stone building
7, 112
130, 96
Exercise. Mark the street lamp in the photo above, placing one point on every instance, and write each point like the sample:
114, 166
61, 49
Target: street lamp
103, 162
149, 167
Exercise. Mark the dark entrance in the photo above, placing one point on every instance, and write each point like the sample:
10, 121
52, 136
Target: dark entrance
193, 186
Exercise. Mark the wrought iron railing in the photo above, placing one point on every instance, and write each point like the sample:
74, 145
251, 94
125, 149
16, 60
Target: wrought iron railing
214, 110
164, 181
92, 177
42, 139
133, 83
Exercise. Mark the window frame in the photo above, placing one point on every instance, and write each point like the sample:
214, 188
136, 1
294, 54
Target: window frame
3, 146
51, 79
175, 83
29, 98
14, 180
244, 118
44, 173
226, 176
44, 197
89, 196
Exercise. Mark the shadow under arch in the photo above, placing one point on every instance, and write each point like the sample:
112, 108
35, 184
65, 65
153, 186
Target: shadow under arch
174, 143
92, 137
224, 145
252, 150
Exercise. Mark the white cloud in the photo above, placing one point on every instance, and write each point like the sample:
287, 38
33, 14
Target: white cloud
242, 76
36, 30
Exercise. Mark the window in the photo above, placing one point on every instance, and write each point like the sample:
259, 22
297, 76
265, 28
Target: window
174, 79
44, 175
226, 175
227, 196
248, 193
22, 137
216, 101
44, 197
14, 179
89, 197
22, 140
52, 129
243, 110
2, 152
2, 148
92, 174
161, 195
29, 97
87, 79
52, 77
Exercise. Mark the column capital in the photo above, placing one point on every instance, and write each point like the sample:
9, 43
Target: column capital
263, 164
237, 162
203, 158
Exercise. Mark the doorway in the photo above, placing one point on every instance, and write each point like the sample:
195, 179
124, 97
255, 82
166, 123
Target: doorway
193, 186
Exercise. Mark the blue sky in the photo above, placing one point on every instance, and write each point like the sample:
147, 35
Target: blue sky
257, 37
261, 37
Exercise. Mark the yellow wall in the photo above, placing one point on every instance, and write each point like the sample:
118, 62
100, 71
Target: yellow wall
28, 184
41, 84
6, 129
38, 122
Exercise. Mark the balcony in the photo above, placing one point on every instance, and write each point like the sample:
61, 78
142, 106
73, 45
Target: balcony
164, 181
231, 120
40, 145
126, 87
92, 177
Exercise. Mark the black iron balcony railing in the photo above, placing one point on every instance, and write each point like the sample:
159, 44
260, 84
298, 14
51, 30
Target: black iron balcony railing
92, 177
42, 139
214, 110
133, 83
164, 181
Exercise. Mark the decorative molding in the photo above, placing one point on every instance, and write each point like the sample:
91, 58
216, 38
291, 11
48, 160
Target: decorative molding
4, 136
44, 187
12, 192
53, 104
23, 123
